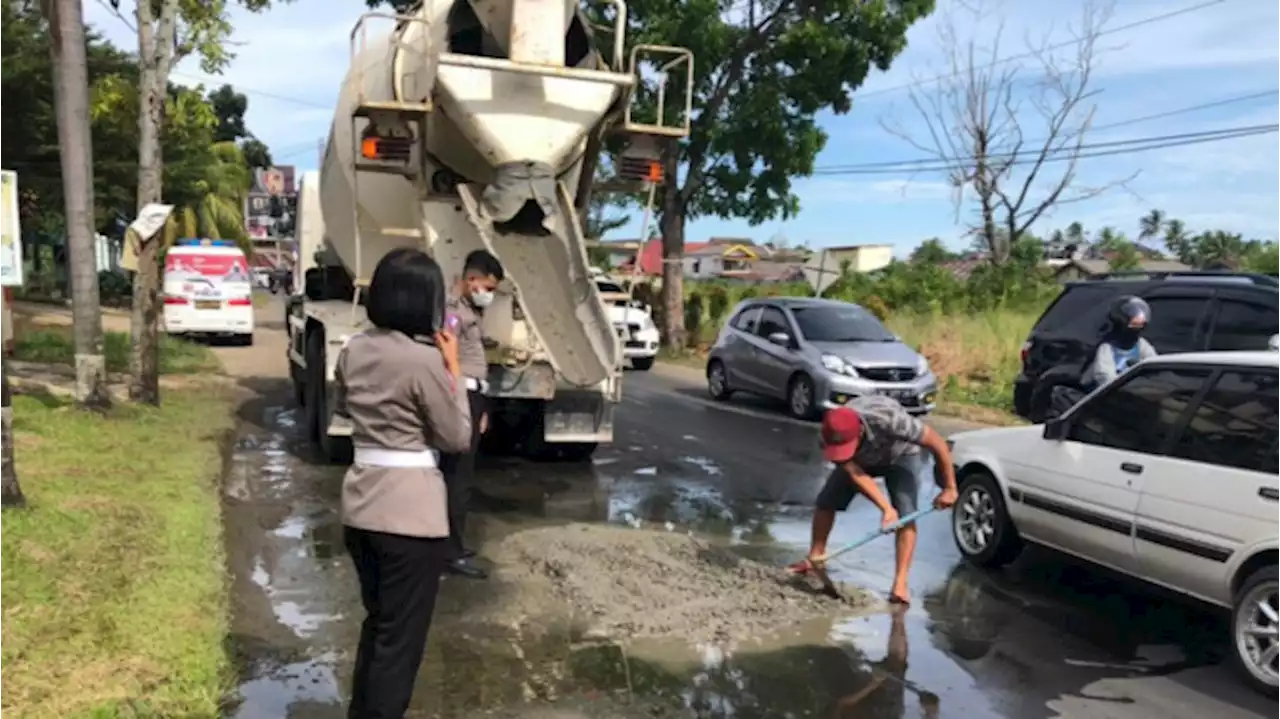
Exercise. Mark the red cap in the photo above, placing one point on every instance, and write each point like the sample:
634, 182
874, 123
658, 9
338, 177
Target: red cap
841, 430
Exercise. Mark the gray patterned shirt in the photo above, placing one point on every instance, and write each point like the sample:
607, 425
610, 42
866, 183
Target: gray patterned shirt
889, 432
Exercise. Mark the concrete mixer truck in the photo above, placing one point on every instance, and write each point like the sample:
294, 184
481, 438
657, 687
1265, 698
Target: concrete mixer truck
470, 124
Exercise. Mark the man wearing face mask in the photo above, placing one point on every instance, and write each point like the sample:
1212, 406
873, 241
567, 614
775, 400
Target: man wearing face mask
1122, 346
481, 274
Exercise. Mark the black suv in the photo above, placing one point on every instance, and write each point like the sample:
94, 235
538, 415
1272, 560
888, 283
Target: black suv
1190, 311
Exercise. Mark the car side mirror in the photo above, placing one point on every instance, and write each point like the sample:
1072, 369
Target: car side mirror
1055, 429
782, 339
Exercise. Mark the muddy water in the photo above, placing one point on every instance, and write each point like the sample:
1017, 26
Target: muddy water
297, 612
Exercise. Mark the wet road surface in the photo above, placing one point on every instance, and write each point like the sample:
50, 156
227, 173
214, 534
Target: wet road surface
1045, 638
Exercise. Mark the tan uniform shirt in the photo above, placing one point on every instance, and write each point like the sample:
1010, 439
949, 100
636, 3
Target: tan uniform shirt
399, 396
470, 339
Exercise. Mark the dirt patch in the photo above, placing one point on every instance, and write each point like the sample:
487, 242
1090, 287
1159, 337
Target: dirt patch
630, 583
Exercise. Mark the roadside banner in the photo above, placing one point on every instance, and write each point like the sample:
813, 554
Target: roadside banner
10, 231
150, 220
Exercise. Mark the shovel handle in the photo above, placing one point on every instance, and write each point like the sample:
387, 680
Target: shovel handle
902, 522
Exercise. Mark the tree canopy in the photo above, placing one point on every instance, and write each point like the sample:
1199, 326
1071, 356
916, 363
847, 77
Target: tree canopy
196, 164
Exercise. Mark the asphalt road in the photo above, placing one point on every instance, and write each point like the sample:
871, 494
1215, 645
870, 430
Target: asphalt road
1044, 638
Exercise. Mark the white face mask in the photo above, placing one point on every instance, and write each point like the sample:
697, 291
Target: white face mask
482, 298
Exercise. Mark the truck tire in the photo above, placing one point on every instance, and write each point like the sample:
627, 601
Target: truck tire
335, 450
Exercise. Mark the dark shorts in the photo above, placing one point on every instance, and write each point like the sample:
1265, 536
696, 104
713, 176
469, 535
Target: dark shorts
901, 482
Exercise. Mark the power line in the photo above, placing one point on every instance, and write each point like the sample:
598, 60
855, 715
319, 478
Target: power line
1033, 53
1068, 154
905, 164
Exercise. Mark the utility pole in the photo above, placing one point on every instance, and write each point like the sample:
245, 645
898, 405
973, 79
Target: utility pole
71, 98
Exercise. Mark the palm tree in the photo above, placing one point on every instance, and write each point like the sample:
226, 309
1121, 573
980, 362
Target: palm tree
1177, 240
218, 211
1151, 224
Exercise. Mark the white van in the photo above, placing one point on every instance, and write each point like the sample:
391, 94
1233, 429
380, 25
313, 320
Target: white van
208, 290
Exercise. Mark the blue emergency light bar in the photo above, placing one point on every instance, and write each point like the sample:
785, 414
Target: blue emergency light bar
205, 242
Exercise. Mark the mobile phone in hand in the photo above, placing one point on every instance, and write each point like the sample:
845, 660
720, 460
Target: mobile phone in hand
452, 322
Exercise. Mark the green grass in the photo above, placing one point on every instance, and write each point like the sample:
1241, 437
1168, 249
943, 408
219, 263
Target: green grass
114, 600
53, 345
976, 357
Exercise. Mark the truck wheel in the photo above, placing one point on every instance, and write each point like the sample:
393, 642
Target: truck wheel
335, 450
642, 364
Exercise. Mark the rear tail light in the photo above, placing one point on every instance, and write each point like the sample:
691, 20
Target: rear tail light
240, 302
173, 300
1025, 351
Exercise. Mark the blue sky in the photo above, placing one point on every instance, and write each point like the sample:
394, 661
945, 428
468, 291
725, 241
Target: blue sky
291, 60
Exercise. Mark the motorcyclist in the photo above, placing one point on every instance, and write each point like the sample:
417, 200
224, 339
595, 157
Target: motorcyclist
1122, 346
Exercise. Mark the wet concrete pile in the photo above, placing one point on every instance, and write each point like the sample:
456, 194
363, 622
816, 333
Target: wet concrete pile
632, 583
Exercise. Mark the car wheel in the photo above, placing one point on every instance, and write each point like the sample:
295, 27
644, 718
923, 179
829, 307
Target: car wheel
642, 364
980, 523
800, 397
1255, 629
718, 381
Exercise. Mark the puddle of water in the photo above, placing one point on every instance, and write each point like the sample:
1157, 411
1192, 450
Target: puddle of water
304, 688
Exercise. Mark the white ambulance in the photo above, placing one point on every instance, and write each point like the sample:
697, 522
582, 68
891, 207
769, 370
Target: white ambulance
208, 290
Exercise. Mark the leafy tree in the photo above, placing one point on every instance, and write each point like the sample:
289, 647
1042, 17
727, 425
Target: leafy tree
230, 107
932, 251
168, 31
765, 70
256, 153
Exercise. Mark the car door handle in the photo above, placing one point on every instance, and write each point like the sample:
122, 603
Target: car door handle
1131, 468
1269, 493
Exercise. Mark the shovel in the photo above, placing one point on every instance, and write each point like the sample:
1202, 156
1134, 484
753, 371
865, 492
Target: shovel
819, 565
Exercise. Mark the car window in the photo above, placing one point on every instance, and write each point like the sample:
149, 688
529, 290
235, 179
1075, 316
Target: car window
1235, 424
608, 287
840, 324
1089, 302
1173, 323
772, 320
1242, 326
1137, 414
746, 319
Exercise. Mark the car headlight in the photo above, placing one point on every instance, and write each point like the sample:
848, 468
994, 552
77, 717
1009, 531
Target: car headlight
922, 365
839, 366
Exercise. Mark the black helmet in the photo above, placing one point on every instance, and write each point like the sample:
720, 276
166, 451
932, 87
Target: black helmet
1128, 309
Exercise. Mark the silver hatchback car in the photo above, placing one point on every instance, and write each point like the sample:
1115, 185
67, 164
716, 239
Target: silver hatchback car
815, 354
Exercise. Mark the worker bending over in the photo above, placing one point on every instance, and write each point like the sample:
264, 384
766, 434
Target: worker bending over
875, 437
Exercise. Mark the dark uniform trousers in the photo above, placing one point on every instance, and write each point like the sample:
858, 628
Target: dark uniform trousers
458, 470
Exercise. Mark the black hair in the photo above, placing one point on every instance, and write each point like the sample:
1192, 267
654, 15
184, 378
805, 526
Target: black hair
407, 293
484, 263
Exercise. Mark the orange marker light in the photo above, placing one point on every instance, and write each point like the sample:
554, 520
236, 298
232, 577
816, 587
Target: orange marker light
369, 148
655, 172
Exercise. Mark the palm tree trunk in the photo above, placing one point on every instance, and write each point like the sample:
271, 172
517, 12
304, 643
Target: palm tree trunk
10, 490
71, 75
155, 53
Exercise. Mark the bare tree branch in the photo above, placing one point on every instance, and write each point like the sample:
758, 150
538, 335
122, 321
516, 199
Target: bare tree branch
974, 122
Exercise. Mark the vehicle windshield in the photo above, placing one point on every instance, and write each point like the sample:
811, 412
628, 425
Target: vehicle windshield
840, 324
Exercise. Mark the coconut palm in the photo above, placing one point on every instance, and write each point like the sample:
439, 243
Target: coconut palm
1178, 241
217, 213
1151, 224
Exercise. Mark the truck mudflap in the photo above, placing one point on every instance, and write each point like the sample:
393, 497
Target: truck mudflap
578, 416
